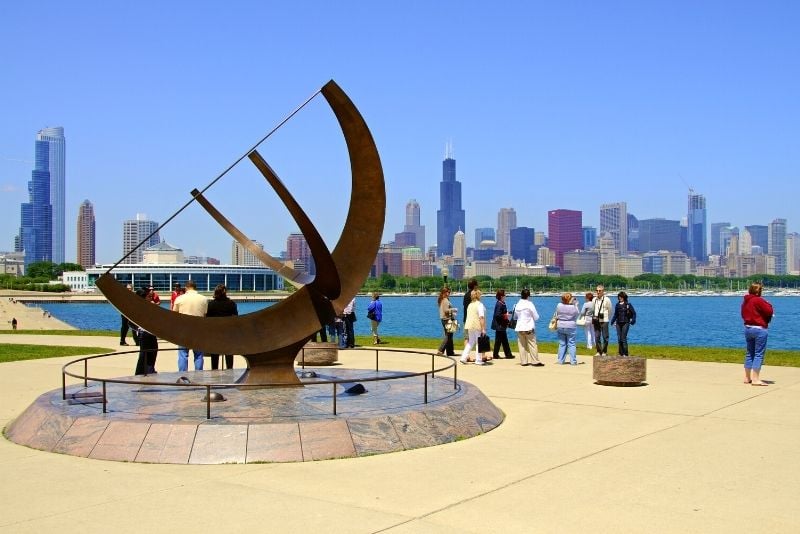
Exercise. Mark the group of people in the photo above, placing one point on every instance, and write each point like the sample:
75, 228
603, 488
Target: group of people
184, 300
595, 314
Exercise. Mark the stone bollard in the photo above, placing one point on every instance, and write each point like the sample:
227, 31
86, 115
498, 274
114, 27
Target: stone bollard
317, 353
619, 370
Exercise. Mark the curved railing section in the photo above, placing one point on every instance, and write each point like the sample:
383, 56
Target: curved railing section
451, 364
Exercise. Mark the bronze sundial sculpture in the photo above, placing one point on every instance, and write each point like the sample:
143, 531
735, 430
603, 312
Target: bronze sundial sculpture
270, 339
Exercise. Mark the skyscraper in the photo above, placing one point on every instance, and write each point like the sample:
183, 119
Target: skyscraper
522, 247
589, 237
86, 235
412, 224
564, 228
36, 216
716, 230
56, 147
297, 250
659, 234
459, 245
759, 236
696, 227
450, 218
776, 245
633, 233
240, 255
134, 232
506, 221
614, 221
483, 234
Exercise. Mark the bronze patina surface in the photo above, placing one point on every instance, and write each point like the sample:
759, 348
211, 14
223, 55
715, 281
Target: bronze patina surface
269, 339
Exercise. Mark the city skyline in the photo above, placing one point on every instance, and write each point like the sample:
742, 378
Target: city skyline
556, 107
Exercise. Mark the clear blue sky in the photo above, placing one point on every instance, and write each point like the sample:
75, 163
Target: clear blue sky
548, 105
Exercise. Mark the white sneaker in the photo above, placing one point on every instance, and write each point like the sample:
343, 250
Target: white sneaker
479, 362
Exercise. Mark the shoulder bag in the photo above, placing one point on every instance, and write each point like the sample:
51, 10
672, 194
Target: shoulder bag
512, 323
553, 322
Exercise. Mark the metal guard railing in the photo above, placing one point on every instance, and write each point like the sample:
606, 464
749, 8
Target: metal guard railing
451, 363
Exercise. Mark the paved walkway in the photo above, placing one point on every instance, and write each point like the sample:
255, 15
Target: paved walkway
694, 451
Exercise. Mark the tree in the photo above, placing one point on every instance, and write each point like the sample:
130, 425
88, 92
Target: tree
41, 269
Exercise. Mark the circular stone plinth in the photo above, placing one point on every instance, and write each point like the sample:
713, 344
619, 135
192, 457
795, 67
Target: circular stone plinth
619, 370
163, 424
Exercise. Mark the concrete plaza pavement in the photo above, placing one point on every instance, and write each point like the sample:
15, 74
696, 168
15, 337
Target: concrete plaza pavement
695, 450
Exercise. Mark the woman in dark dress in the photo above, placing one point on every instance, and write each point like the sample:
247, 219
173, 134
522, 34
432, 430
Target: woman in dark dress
499, 325
148, 343
221, 306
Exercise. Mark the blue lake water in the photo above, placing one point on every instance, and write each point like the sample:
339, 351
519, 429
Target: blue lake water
703, 321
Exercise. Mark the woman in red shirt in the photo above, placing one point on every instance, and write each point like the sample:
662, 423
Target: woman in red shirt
756, 314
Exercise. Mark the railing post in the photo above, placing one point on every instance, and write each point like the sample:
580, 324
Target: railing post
334, 398
455, 375
105, 399
208, 401
377, 368
85, 372
303, 358
426, 387
433, 364
63, 385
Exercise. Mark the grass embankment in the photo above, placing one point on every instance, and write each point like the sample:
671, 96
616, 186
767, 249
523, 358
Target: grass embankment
13, 352
784, 358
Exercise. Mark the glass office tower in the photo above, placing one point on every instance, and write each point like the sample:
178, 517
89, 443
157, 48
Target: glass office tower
450, 218
56, 148
36, 215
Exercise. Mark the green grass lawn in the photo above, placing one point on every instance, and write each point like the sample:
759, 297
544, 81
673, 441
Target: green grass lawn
786, 358
12, 352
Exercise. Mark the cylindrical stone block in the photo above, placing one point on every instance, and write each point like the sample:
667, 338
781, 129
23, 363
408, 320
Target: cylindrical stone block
319, 354
619, 370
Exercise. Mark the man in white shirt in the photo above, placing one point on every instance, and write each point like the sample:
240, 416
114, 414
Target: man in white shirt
349, 318
190, 303
600, 319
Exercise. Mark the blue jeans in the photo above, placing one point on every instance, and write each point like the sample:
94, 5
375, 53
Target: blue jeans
566, 342
183, 359
622, 338
756, 347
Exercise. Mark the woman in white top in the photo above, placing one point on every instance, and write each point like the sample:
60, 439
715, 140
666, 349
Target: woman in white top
587, 313
526, 315
474, 325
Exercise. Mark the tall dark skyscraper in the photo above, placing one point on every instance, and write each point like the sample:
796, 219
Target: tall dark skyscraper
450, 218
696, 227
716, 241
36, 216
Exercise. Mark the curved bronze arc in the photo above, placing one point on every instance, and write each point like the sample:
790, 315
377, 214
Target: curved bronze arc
358, 245
327, 279
296, 278
299, 316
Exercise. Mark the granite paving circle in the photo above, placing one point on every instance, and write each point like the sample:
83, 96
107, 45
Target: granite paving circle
161, 423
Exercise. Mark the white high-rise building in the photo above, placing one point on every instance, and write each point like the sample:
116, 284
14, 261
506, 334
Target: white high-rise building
412, 223
776, 244
133, 233
793, 253
460, 246
241, 256
614, 221
57, 152
506, 221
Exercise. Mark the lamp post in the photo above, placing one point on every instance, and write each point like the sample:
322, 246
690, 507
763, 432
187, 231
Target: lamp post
445, 272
